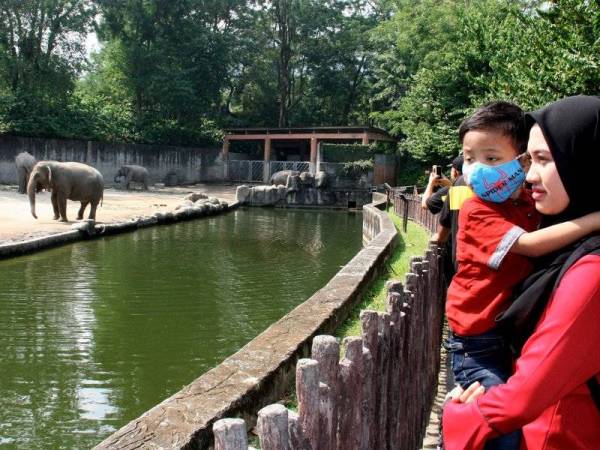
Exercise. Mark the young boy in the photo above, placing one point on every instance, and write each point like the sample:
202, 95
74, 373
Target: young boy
497, 232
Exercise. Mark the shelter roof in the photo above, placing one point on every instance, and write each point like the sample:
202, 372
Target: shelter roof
302, 132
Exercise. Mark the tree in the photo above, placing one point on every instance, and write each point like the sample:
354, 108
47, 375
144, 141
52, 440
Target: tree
312, 58
172, 59
41, 54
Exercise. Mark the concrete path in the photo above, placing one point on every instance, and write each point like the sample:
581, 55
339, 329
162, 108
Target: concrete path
17, 223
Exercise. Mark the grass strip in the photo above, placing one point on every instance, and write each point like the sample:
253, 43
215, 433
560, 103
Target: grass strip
412, 243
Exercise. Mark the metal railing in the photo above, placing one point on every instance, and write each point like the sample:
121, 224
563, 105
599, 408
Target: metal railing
299, 166
247, 171
259, 171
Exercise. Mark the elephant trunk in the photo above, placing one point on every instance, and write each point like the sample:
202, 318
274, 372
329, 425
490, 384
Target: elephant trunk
31, 193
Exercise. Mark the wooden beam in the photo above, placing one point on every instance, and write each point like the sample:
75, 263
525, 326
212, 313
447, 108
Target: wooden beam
293, 137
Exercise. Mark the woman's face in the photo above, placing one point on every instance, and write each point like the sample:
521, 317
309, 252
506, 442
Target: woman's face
549, 192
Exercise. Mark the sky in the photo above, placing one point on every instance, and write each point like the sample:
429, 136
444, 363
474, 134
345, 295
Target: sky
91, 44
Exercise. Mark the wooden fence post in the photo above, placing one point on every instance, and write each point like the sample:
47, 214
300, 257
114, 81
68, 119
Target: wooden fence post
273, 428
370, 335
368, 401
350, 395
326, 350
307, 390
230, 434
384, 375
298, 440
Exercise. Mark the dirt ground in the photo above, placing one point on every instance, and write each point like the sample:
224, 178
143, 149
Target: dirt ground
17, 223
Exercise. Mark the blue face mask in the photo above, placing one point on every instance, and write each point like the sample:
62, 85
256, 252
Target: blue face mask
494, 183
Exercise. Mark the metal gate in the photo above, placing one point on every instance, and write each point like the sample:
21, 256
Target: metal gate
249, 171
300, 166
254, 171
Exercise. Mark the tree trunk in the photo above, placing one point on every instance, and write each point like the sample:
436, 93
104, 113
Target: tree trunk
285, 29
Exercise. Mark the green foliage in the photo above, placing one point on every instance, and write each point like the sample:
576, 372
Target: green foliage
352, 152
178, 72
345, 152
354, 169
442, 59
41, 54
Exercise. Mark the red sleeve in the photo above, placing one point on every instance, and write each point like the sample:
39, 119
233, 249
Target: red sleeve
561, 355
485, 235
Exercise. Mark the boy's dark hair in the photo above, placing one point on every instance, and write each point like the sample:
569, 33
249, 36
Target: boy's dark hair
502, 116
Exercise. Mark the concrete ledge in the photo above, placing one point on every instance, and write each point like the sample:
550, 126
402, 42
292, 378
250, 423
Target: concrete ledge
261, 372
98, 230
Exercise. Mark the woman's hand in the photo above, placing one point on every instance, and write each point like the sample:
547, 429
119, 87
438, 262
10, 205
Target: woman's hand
460, 395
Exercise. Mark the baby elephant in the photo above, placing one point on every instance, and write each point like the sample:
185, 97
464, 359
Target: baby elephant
66, 180
24, 162
133, 173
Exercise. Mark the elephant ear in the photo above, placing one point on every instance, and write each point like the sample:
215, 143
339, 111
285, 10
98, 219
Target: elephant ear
44, 172
49, 174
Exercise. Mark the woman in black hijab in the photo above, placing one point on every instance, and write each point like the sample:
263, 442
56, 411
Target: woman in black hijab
554, 322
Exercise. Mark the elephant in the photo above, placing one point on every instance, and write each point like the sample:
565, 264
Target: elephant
134, 173
67, 180
321, 180
24, 162
282, 176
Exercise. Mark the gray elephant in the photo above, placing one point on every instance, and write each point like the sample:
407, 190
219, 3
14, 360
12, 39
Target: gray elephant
24, 162
282, 176
133, 173
67, 180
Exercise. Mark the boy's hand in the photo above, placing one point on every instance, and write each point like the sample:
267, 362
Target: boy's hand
460, 395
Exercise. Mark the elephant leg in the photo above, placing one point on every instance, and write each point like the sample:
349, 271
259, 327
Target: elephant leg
22, 182
62, 207
82, 210
92, 215
54, 200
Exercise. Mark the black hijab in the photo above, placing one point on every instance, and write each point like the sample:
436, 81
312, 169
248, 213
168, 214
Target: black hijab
571, 127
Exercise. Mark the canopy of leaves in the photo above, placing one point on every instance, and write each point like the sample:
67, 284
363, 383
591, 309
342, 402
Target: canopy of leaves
179, 72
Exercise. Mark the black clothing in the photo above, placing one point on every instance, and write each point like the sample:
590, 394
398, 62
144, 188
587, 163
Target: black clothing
532, 296
435, 202
449, 216
571, 127
457, 163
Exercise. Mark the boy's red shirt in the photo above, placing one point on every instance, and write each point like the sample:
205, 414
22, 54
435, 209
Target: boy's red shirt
487, 271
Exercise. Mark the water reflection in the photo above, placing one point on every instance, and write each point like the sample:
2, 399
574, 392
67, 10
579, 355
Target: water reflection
93, 334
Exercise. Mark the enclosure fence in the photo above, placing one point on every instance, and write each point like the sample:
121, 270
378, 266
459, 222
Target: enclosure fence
248, 171
260, 171
298, 166
379, 394
407, 204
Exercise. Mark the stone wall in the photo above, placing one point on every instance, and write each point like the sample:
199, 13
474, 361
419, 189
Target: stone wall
181, 165
262, 371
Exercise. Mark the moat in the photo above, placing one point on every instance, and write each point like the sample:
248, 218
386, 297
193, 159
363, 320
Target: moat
95, 333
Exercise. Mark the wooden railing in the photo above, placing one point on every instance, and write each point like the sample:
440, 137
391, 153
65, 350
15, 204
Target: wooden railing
407, 204
379, 395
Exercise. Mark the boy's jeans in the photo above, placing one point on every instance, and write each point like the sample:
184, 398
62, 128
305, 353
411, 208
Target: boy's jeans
485, 358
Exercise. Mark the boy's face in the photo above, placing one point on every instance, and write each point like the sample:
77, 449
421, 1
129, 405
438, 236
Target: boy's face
489, 147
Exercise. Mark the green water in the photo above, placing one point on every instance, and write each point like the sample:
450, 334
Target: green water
95, 333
